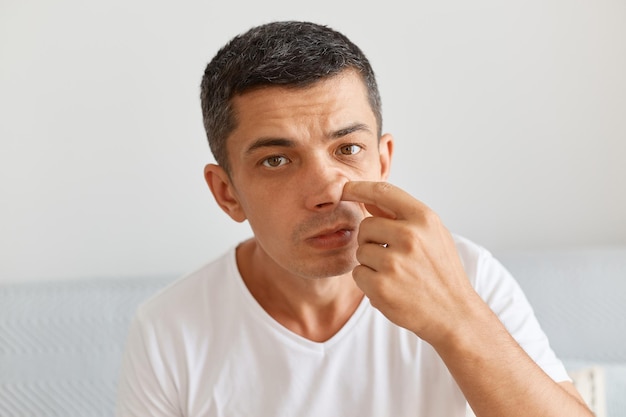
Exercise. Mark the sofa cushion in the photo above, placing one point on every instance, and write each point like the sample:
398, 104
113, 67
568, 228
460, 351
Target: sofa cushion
61, 344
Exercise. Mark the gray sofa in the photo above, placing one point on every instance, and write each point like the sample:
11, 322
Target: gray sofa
61, 342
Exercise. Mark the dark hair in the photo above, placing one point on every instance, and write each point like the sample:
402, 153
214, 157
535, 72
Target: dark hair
293, 54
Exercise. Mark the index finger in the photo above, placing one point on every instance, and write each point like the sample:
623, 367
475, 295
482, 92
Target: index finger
386, 197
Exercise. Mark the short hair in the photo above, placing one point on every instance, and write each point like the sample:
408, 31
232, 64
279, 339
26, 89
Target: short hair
289, 54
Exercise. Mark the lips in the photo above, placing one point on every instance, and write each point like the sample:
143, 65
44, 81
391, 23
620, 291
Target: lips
332, 238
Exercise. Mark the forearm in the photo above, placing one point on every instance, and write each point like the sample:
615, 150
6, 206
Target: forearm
495, 374
411, 270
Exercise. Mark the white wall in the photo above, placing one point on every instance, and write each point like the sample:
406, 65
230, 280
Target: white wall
509, 117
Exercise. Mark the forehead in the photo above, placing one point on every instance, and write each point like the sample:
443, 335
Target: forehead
323, 106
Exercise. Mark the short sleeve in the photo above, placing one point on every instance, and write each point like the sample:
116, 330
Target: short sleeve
144, 384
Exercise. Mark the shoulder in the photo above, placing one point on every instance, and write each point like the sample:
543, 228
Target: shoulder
207, 285
494, 283
473, 256
488, 275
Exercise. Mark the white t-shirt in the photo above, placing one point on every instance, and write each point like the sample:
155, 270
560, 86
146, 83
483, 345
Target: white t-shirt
204, 347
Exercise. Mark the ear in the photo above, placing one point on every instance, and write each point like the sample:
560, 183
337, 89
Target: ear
223, 191
385, 151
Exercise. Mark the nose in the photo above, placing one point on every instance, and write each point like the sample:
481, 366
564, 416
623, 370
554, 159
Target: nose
323, 184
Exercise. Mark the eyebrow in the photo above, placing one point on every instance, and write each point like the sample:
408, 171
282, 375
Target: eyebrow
350, 129
288, 143
270, 142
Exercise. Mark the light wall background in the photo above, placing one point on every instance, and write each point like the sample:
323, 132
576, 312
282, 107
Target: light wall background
509, 119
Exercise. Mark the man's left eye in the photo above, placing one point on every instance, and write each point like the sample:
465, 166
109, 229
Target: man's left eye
351, 149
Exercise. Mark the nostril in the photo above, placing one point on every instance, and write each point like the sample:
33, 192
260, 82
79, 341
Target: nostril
323, 188
322, 205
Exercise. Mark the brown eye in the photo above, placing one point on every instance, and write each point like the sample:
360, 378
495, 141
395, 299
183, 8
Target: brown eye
350, 149
275, 161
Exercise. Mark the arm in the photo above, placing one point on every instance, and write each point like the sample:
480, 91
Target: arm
418, 281
498, 378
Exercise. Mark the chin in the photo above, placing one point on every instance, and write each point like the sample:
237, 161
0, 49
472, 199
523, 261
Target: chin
331, 266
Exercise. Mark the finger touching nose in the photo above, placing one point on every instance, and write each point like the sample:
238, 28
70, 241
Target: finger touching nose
383, 199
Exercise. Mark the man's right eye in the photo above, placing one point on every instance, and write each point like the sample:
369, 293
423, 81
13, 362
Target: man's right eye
275, 161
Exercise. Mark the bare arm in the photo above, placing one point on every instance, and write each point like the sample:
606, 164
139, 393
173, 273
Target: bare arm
418, 281
498, 378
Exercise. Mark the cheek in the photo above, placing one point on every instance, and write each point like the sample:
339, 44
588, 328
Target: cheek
266, 210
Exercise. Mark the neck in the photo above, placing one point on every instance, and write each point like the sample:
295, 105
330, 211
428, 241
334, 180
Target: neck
314, 308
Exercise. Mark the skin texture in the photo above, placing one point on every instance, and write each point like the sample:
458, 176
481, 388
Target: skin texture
307, 173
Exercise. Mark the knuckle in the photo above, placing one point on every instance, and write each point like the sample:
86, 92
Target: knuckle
383, 187
391, 264
358, 271
366, 222
409, 238
431, 218
360, 255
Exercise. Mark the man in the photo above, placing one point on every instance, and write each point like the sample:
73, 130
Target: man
351, 299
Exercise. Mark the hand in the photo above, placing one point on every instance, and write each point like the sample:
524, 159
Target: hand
409, 265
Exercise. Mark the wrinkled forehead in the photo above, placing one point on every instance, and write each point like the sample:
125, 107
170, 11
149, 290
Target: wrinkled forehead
335, 89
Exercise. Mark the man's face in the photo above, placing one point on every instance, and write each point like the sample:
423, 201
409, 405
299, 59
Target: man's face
291, 154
